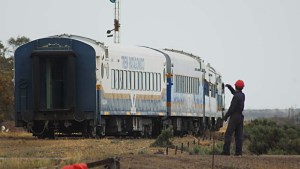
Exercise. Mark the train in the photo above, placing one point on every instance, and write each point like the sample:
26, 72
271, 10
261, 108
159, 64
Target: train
68, 84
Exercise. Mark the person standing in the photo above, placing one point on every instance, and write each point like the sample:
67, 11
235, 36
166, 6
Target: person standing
236, 121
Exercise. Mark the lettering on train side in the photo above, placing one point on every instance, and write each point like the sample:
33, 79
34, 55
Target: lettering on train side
133, 63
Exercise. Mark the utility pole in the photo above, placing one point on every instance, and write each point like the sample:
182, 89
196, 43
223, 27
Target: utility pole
116, 22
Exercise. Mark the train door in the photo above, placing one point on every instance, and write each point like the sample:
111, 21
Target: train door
54, 82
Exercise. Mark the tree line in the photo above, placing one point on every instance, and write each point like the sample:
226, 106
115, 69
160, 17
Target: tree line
7, 76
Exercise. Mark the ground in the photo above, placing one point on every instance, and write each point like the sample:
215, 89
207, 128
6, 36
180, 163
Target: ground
151, 161
21, 150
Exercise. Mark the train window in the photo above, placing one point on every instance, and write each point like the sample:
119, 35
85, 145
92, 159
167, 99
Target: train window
144, 81
208, 88
211, 90
102, 71
121, 79
112, 78
132, 80
140, 80
107, 70
206, 85
151, 81
215, 90
136, 80
223, 87
190, 85
185, 84
194, 85
159, 82
154, 81
182, 84
125, 79
128, 80
175, 83
117, 79
148, 80
164, 75
179, 84
197, 90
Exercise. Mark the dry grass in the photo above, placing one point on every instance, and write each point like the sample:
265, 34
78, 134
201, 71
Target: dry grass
21, 150
29, 151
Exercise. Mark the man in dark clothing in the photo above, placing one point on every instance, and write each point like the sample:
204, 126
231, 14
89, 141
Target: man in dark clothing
236, 121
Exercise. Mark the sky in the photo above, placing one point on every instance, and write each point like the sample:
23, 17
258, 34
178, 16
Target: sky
257, 41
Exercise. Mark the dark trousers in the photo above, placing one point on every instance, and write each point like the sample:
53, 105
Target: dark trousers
235, 125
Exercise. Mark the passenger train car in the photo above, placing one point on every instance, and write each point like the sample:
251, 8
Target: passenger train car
70, 84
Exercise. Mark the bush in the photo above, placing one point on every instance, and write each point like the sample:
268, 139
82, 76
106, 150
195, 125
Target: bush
266, 137
163, 140
199, 150
217, 150
142, 151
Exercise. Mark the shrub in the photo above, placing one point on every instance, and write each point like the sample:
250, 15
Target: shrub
266, 137
142, 151
163, 140
217, 150
199, 150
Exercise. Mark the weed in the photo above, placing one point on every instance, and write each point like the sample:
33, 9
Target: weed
142, 151
163, 140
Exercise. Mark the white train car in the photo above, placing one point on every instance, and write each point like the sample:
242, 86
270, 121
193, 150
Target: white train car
214, 96
70, 84
133, 89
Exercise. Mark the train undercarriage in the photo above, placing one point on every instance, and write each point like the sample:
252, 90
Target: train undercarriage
123, 126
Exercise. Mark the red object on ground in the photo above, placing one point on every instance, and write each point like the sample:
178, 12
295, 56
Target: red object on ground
76, 166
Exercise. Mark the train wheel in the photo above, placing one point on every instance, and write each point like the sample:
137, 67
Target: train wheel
219, 124
100, 131
92, 131
50, 134
85, 132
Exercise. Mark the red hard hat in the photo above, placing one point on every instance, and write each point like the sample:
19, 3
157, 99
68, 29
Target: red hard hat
239, 84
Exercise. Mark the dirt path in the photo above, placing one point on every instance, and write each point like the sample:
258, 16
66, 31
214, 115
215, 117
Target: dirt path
221, 162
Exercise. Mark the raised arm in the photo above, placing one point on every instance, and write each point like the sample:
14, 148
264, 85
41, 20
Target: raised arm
230, 88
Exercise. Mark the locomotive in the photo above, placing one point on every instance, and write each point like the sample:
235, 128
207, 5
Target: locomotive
70, 84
